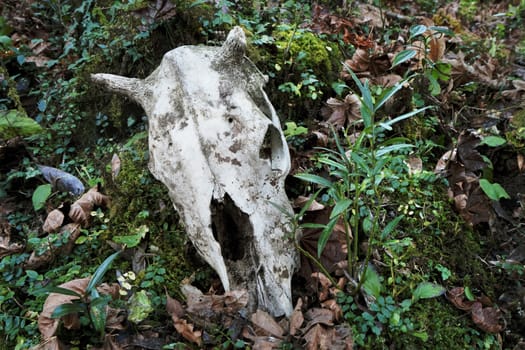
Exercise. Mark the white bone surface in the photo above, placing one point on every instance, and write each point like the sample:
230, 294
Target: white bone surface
208, 116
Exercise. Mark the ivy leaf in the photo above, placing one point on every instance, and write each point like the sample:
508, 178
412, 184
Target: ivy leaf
493, 141
493, 190
426, 290
40, 196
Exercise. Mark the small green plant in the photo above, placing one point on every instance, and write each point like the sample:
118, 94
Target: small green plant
91, 306
360, 172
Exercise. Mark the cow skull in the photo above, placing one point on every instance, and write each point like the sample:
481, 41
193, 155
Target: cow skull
216, 143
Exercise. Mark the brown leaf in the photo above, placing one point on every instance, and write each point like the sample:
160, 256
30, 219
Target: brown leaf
457, 297
53, 221
174, 308
48, 325
332, 305
443, 162
266, 324
301, 201
36, 261
297, 318
335, 249
486, 318
115, 166
80, 211
50, 344
6, 246
343, 112
319, 316
319, 337
324, 292
467, 155
186, 330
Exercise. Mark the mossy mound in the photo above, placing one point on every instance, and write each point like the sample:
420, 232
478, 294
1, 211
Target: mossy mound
141, 202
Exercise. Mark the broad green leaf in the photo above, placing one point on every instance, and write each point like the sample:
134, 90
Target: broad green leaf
468, 294
32, 274
392, 148
312, 225
493, 141
60, 290
333, 163
388, 94
388, 124
426, 290
421, 335
40, 196
443, 30
314, 179
372, 284
5, 41
340, 207
67, 309
100, 272
493, 190
391, 226
97, 313
403, 56
325, 235
417, 30
14, 123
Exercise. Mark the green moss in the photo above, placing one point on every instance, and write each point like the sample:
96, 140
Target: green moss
307, 51
516, 134
137, 200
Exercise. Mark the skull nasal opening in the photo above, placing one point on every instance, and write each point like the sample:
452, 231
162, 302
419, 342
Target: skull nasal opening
231, 228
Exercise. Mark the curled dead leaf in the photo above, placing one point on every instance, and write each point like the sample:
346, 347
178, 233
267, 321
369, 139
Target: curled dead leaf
341, 113
53, 221
266, 324
80, 211
486, 318
300, 201
297, 318
48, 325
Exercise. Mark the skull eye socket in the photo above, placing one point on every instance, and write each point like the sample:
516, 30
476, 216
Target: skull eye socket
231, 228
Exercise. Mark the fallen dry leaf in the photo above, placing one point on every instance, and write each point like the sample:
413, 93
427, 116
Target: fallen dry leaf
335, 249
319, 337
36, 261
185, 329
50, 344
266, 324
48, 325
301, 201
6, 246
486, 318
457, 297
80, 211
53, 221
341, 113
297, 318
115, 166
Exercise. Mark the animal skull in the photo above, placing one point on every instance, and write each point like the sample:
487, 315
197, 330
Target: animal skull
216, 142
